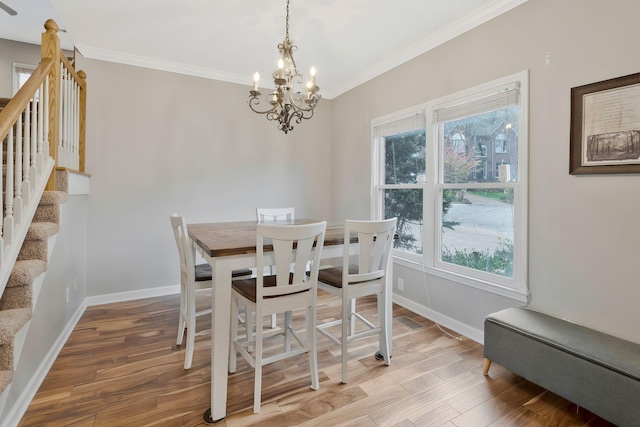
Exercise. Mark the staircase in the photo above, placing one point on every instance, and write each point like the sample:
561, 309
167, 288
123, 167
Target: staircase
18, 300
42, 135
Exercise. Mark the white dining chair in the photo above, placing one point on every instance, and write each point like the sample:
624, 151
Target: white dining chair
361, 275
289, 289
274, 214
192, 278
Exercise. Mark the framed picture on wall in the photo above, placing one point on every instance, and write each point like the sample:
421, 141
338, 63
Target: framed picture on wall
605, 127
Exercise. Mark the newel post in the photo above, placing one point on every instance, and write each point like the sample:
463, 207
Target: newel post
51, 49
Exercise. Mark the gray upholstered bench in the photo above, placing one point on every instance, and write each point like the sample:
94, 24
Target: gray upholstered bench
589, 368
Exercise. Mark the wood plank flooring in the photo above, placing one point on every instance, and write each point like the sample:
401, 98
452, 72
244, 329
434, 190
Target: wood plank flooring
121, 367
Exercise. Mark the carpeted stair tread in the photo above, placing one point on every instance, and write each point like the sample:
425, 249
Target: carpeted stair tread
41, 230
53, 198
25, 272
11, 321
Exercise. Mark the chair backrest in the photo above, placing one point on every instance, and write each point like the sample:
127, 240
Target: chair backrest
294, 246
185, 249
375, 239
267, 214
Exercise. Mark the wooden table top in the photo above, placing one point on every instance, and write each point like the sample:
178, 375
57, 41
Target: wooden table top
238, 238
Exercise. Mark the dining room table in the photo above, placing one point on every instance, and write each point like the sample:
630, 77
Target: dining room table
228, 246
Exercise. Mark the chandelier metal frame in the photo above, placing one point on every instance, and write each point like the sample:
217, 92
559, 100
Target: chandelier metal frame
287, 103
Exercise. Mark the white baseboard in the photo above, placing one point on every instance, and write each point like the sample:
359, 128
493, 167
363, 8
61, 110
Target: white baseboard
24, 400
132, 295
471, 333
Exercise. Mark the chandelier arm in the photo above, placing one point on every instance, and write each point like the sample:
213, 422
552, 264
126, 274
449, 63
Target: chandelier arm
299, 107
254, 100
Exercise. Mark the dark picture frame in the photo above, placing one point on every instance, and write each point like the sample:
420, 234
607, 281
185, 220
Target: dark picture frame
605, 127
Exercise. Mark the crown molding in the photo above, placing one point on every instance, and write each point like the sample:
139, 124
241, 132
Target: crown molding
493, 9
159, 64
463, 25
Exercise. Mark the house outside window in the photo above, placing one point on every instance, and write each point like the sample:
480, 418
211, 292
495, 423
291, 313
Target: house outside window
473, 227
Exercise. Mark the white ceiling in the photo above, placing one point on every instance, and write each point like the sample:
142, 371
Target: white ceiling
348, 41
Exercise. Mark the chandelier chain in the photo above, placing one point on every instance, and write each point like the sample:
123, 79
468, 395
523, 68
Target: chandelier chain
286, 36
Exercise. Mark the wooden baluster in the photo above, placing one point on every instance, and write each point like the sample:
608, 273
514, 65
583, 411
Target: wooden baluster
39, 158
26, 154
17, 164
45, 131
61, 117
33, 144
8, 207
8, 140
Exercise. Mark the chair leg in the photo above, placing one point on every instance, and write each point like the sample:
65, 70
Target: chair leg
183, 315
248, 325
191, 327
346, 320
273, 321
287, 330
313, 350
383, 318
233, 354
257, 383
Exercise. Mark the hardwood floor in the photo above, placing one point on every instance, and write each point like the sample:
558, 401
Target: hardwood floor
121, 367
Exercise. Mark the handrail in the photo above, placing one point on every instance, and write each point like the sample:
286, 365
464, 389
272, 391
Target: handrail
17, 104
42, 128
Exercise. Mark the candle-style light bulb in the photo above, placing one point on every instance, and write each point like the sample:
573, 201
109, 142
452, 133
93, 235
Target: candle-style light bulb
280, 73
256, 79
313, 76
309, 89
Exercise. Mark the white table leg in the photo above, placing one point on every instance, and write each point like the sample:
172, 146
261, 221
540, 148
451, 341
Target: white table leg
221, 303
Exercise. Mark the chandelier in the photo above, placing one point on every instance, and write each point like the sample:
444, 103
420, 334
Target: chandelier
287, 101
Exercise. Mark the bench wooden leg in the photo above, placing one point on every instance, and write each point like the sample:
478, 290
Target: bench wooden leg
487, 365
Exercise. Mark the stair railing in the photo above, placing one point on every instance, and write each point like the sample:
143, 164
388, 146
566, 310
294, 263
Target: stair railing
41, 128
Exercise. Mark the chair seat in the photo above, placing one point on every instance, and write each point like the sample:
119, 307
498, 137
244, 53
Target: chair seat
247, 287
204, 272
333, 276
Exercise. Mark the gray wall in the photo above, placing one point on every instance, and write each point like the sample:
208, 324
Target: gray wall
53, 317
583, 231
160, 143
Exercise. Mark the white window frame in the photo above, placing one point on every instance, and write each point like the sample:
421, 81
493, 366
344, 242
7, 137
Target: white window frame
394, 123
18, 69
516, 287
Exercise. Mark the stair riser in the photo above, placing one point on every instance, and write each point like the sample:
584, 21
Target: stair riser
19, 297
6, 357
33, 249
47, 213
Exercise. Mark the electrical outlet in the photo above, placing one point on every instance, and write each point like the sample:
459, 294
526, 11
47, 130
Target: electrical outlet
400, 284
67, 294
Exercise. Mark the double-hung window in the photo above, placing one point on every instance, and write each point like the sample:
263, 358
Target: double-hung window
459, 185
400, 173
